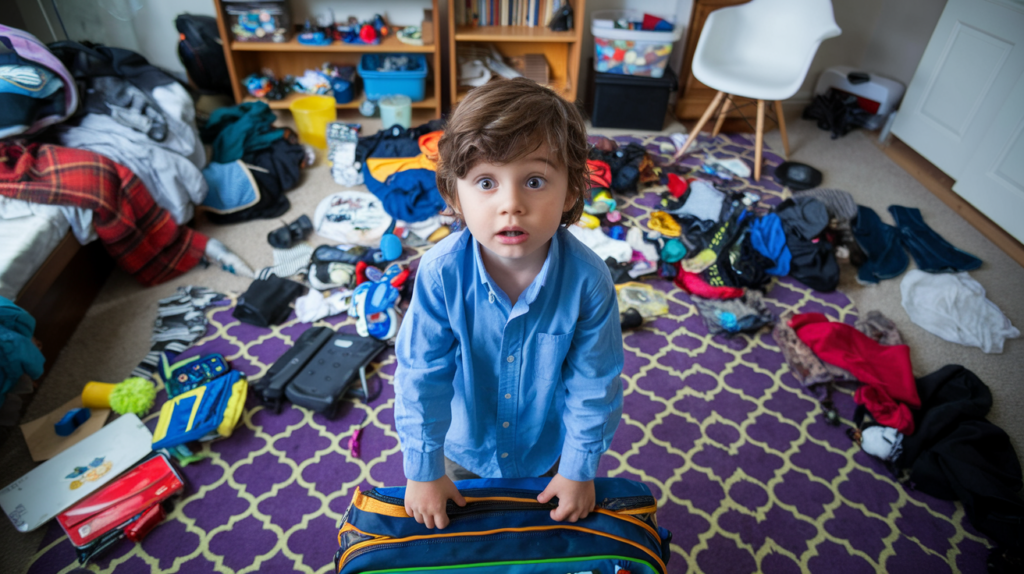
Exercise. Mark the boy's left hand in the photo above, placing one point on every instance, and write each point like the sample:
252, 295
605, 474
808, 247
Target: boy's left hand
575, 499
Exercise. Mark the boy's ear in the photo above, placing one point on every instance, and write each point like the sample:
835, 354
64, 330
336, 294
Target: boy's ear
570, 202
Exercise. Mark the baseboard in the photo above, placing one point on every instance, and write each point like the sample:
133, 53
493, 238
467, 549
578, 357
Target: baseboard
941, 185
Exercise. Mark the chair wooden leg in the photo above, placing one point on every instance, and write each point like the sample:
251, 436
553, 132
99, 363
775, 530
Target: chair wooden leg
700, 123
721, 115
782, 127
759, 140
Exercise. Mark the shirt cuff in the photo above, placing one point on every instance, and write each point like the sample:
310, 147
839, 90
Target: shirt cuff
578, 465
423, 466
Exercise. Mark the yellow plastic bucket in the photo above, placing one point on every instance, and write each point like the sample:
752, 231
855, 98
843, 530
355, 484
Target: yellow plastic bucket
312, 114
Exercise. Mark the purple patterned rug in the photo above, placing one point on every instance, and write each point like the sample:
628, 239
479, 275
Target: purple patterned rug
748, 476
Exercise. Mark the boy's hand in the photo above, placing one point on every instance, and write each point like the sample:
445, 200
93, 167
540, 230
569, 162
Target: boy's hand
575, 499
425, 501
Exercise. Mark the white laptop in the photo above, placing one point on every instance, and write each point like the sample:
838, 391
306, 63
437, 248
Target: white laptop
77, 472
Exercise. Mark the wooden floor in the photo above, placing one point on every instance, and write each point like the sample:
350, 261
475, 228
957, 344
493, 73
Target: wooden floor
941, 185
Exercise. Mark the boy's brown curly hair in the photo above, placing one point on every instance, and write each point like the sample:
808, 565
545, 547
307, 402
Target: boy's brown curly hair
505, 120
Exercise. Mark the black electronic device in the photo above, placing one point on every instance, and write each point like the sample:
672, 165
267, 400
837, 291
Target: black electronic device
324, 380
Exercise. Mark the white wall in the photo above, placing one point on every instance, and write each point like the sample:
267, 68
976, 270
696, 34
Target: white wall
885, 37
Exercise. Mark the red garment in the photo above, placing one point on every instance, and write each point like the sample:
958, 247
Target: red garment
694, 284
677, 186
600, 174
885, 370
138, 234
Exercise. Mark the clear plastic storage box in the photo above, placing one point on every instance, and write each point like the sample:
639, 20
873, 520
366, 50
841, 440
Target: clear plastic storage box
259, 21
630, 52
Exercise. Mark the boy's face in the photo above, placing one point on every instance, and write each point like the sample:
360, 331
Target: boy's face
513, 210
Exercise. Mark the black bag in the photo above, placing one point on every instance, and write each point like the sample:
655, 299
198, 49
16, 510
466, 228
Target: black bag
267, 301
202, 53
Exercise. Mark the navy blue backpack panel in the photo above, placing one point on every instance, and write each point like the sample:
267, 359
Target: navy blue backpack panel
503, 529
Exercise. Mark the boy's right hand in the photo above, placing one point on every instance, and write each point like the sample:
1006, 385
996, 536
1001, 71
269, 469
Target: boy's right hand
425, 501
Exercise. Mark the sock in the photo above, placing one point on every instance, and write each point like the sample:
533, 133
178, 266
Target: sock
228, 260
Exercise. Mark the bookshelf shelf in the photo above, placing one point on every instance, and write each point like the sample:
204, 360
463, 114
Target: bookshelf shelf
561, 50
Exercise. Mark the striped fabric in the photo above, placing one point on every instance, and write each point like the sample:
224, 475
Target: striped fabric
840, 204
288, 262
180, 320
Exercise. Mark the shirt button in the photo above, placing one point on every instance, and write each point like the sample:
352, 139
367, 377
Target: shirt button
510, 358
504, 424
504, 455
508, 395
490, 296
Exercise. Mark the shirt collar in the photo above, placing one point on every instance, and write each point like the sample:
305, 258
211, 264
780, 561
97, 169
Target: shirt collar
531, 293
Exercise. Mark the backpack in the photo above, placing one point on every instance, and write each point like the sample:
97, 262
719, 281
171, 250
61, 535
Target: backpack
503, 528
202, 53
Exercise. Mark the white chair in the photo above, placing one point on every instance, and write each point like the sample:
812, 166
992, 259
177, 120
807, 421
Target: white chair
760, 50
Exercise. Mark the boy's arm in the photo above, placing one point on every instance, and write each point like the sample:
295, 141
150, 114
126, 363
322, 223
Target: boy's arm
425, 350
593, 398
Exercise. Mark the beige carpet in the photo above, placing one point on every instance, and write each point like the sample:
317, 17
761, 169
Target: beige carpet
115, 333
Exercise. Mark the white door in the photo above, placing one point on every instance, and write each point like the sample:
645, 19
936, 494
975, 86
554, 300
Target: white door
993, 179
973, 60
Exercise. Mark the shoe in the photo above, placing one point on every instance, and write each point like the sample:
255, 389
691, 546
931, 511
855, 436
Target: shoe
287, 236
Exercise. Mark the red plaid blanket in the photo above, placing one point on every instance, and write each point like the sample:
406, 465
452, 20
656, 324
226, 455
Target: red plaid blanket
139, 234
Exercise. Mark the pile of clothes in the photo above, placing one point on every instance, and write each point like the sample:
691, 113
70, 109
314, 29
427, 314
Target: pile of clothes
112, 141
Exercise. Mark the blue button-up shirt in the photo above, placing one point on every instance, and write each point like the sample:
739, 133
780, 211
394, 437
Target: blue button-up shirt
505, 390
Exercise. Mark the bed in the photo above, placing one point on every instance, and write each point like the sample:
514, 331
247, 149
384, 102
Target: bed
46, 271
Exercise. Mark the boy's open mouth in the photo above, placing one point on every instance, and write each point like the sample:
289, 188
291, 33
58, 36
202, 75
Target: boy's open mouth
510, 233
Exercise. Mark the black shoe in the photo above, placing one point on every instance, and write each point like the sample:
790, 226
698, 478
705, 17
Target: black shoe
287, 236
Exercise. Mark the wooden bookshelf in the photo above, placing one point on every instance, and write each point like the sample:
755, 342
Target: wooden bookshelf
293, 58
561, 50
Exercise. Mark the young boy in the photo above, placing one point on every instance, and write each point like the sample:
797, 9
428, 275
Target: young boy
510, 353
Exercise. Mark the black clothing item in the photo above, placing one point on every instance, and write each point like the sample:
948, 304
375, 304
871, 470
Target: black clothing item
266, 302
956, 454
836, 112
625, 165
395, 141
742, 266
276, 169
696, 233
813, 263
619, 271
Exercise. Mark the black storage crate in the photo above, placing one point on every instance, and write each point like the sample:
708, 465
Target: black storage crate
631, 102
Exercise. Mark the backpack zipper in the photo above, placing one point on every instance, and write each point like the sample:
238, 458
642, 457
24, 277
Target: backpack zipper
384, 543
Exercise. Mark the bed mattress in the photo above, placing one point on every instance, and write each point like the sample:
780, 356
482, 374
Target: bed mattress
27, 238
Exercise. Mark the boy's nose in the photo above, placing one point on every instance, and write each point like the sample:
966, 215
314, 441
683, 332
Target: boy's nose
512, 202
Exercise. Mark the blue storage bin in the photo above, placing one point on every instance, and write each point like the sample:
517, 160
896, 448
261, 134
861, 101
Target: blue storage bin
411, 82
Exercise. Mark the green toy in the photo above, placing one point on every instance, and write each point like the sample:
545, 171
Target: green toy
133, 395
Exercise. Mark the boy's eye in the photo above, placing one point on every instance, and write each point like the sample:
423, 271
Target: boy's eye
535, 183
486, 184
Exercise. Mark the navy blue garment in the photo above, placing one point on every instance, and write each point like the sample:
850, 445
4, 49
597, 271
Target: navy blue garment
881, 244
409, 195
931, 252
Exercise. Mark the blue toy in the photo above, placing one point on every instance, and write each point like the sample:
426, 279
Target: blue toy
71, 421
373, 306
195, 373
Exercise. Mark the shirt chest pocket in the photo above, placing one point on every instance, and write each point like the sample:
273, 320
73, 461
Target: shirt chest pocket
549, 355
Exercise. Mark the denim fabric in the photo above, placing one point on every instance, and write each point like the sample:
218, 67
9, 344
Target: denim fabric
931, 252
881, 244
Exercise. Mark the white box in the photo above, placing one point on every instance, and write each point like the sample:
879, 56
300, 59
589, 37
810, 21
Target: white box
884, 91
